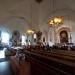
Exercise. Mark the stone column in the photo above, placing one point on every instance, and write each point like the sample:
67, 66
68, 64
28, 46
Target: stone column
39, 34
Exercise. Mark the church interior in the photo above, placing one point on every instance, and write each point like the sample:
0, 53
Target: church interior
37, 37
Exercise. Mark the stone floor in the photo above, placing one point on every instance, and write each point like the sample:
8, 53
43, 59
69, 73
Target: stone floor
5, 68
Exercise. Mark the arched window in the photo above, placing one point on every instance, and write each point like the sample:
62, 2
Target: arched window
23, 40
5, 37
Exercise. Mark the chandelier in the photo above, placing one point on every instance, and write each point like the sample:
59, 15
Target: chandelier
56, 22
30, 31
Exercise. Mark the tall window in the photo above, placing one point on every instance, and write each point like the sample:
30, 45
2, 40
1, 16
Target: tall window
35, 36
23, 40
5, 38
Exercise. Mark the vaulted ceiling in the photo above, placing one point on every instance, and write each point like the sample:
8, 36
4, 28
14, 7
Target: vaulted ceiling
24, 14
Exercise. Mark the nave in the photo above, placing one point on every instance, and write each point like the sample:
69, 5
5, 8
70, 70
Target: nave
37, 37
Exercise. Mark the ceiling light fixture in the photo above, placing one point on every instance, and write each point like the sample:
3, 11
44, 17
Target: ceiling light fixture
56, 22
30, 31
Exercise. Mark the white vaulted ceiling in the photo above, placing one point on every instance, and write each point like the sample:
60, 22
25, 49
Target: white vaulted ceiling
25, 14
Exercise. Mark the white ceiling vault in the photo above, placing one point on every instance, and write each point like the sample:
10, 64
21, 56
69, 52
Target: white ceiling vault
25, 14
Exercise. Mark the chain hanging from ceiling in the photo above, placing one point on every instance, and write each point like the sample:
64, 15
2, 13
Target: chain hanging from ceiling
38, 1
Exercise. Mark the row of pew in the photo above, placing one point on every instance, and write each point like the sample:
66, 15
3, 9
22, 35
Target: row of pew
52, 62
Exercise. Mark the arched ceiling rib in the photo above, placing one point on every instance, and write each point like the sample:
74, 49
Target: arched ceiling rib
26, 11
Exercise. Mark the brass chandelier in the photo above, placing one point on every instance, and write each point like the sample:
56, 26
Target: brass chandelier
56, 22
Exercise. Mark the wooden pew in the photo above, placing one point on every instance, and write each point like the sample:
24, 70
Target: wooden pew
15, 65
55, 62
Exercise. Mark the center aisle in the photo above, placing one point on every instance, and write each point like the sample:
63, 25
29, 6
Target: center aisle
5, 67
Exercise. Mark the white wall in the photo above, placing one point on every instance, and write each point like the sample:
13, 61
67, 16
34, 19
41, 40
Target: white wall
27, 14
